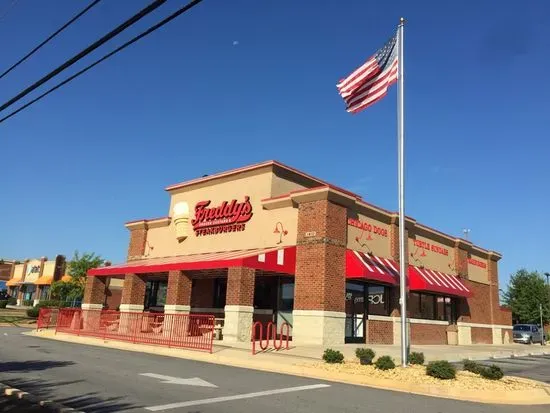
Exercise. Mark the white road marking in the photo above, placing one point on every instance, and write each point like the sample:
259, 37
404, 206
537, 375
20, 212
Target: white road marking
194, 381
235, 397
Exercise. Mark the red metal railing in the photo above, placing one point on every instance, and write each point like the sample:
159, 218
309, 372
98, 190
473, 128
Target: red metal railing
193, 331
47, 318
270, 336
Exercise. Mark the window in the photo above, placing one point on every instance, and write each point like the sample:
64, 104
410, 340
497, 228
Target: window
220, 292
427, 309
432, 307
155, 293
378, 300
265, 292
286, 298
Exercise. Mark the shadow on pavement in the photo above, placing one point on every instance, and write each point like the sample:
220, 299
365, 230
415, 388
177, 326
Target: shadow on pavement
32, 365
89, 402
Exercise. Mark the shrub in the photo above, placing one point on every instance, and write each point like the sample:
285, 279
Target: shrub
28, 303
472, 366
365, 354
384, 363
416, 358
3, 303
333, 356
12, 301
33, 312
492, 372
441, 369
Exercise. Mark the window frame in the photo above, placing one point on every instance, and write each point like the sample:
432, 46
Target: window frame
449, 318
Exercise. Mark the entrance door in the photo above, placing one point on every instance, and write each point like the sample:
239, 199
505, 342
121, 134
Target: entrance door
285, 303
355, 312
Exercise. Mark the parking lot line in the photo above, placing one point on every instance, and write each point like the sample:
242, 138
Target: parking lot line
235, 397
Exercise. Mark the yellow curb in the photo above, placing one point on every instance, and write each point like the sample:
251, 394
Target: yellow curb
534, 396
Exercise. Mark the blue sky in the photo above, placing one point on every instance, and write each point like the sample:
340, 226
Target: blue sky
236, 82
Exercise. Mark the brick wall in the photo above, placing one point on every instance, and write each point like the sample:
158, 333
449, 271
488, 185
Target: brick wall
138, 239
321, 260
461, 261
428, 334
133, 291
202, 294
94, 291
179, 288
113, 298
379, 332
475, 309
240, 286
482, 335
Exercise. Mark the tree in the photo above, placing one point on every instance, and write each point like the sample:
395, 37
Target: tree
78, 269
526, 291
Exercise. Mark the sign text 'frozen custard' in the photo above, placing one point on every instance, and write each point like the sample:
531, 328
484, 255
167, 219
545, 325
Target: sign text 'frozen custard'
226, 217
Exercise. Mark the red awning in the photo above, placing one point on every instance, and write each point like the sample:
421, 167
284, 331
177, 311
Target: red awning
371, 267
423, 279
280, 260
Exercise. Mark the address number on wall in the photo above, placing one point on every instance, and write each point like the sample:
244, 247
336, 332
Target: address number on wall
310, 233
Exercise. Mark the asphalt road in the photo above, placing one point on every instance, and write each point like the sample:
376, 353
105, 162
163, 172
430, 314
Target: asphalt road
533, 367
96, 379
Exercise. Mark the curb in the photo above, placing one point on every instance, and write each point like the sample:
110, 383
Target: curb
8, 391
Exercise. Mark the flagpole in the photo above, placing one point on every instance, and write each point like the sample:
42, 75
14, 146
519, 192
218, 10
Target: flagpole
401, 185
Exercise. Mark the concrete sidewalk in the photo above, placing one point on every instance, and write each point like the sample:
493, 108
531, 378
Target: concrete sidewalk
431, 352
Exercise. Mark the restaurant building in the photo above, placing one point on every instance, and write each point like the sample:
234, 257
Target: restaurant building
31, 279
270, 243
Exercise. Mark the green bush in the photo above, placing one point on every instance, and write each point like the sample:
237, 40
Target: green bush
12, 301
28, 303
333, 356
365, 354
384, 363
416, 358
472, 366
492, 372
52, 303
33, 312
441, 369
3, 303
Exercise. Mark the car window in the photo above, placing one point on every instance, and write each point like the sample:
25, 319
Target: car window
521, 328
535, 329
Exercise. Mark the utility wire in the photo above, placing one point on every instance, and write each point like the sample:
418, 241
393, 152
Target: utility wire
33, 51
107, 56
154, 5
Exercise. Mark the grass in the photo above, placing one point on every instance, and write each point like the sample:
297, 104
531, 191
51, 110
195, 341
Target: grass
13, 317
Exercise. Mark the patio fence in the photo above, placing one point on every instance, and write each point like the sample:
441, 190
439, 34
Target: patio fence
47, 318
191, 331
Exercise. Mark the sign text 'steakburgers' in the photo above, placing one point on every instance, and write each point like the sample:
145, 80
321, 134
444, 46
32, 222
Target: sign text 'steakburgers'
226, 217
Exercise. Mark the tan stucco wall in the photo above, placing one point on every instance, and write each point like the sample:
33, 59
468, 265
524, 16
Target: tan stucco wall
281, 186
379, 232
30, 277
18, 271
258, 233
433, 260
49, 268
475, 272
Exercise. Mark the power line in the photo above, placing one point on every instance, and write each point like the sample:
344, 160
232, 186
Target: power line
107, 56
154, 5
33, 51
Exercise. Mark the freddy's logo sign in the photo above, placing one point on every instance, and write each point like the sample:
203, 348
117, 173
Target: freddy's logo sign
226, 217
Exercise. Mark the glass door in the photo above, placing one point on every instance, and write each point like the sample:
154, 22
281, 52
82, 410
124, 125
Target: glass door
355, 312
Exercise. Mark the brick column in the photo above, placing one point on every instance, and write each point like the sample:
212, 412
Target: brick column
239, 307
178, 296
133, 293
94, 293
19, 291
38, 289
320, 283
138, 239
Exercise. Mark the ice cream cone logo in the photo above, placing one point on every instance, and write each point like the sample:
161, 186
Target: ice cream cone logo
181, 220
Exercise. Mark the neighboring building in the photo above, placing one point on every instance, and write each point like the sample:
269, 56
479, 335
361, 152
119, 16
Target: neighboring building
6, 268
267, 242
31, 280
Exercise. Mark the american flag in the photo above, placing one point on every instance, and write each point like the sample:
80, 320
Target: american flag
369, 83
